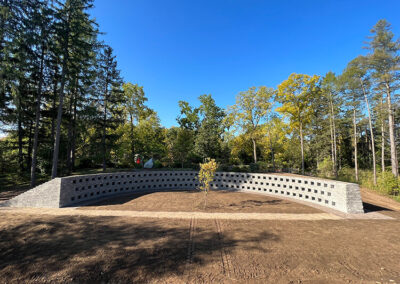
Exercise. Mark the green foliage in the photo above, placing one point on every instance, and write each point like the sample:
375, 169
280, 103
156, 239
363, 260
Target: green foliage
208, 141
49, 51
346, 173
297, 95
260, 167
325, 168
150, 138
189, 116
205, 124
134, 103
388, 184
275, 142
254, 167
180, 146
251, 109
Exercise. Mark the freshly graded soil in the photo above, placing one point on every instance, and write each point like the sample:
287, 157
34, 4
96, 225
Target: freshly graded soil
37, 248
193, 201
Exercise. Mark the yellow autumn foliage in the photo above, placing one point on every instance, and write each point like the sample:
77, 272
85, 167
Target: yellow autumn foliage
207, 173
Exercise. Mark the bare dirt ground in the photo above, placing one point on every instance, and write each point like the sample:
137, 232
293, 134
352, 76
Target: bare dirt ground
193, 201
8, 194
372, 197
99, 249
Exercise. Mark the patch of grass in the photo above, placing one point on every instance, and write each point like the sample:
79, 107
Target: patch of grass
387, 184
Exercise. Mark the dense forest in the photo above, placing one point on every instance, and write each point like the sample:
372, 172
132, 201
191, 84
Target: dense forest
64, 107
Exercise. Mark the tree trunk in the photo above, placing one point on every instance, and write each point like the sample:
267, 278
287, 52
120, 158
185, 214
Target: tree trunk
132, 139
61, 100
302, 148
72, 107
205, 199
339, 161
273, 158
355, 144
383, 137
371, 132
103, 140
69, 146
30, 146
54, 102
393, 152
20, 137
334, 139
2, 52
37, 121
58, 130
254, 150
332, 145
73, 144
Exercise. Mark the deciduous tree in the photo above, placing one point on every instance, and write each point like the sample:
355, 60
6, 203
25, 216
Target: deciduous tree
296, 94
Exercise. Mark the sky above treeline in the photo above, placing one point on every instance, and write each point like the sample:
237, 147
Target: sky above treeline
178, 50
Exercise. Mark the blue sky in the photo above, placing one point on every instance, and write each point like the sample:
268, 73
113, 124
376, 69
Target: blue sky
178, 50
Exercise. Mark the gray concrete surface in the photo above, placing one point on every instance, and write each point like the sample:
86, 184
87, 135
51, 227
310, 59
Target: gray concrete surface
73, 190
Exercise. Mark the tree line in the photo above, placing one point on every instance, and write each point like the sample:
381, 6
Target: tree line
57, 81
311, 122
64, 106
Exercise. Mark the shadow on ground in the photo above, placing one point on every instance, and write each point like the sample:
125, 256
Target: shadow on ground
253, 203
122, 199
82, 249
369, 207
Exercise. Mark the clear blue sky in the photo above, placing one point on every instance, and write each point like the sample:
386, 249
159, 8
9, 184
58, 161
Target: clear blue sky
178, 50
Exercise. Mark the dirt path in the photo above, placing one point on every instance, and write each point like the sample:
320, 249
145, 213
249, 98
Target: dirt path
375, 198
172, 215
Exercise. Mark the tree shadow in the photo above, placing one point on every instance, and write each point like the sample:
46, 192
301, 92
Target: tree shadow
125, 198
109, 249
256, 203
6, 195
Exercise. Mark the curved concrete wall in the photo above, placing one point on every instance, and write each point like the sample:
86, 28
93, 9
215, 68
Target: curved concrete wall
70, 191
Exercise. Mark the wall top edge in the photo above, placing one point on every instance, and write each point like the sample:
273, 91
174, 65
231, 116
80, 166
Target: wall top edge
287, 175
277, 175
128, 173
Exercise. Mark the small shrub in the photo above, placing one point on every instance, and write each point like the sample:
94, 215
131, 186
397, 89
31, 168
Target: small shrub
224, 168
85, 163
240, 169
346, 174
234, 161
367, 179
206, 176
325, 168
388, 183
264, 166
254, 167
157, 164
